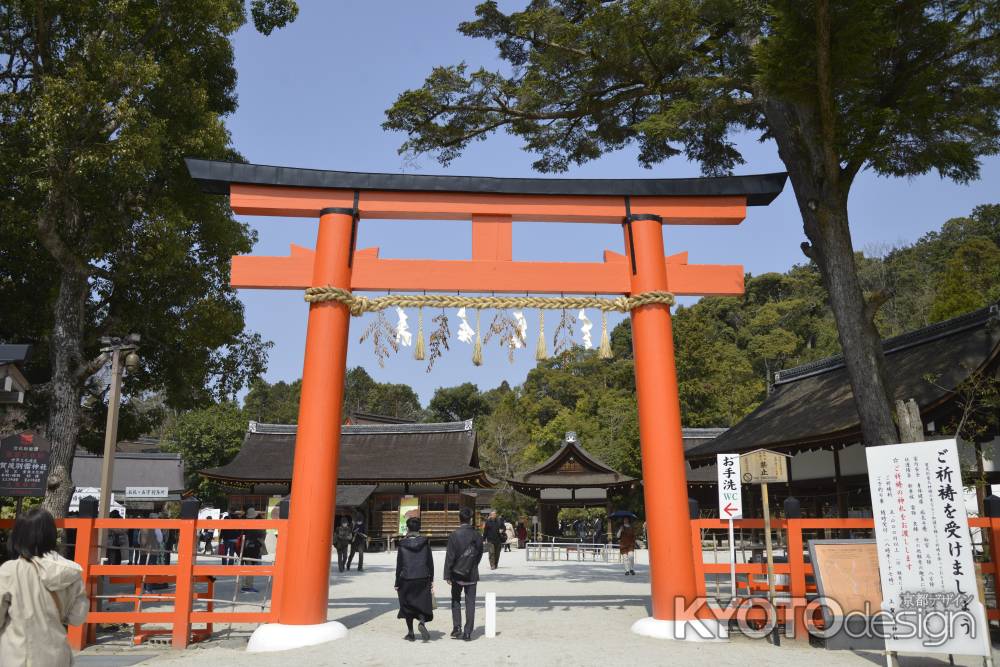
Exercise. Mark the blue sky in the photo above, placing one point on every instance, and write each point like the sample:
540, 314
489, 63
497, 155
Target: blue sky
314, 95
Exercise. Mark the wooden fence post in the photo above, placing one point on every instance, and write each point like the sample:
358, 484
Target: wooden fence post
79, 636
797, 577
185, 588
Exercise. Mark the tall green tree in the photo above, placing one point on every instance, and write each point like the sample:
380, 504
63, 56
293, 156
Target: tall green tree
205, 438
457, 403
100, 101
899, 88
276, 403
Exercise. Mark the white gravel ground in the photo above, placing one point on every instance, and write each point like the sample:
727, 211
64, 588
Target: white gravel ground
548, 614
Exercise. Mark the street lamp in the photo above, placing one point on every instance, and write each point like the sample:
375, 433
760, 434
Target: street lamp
117, 348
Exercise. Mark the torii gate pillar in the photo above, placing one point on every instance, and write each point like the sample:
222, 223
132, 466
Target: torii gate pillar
668, 526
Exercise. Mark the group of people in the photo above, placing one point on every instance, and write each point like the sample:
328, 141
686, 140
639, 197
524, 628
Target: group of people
148, 546
350, 539
415, 576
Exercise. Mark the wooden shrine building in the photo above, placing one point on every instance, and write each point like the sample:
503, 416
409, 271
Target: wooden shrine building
572, 477
380, 463
810, 414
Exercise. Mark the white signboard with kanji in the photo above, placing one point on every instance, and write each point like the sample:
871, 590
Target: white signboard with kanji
730, 487
926, 567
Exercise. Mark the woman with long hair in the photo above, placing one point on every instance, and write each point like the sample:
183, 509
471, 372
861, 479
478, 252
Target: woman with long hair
45, 592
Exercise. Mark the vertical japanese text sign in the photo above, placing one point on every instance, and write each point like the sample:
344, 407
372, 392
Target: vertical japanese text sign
929, 591
730, 487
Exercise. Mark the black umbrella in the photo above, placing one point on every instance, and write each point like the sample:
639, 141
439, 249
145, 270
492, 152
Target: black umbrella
622, 514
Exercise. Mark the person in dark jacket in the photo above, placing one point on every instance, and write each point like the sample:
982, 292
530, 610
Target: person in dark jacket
342, 541
415, 580
230, 537
358, 542
461, 571
495, 533
253, 550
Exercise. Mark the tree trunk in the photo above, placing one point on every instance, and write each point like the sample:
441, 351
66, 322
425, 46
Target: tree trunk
64, 409
822, 201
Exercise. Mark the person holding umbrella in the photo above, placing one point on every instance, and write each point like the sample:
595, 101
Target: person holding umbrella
626, 541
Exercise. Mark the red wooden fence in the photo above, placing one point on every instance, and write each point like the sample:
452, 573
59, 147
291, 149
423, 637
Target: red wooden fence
184, 573
798, 570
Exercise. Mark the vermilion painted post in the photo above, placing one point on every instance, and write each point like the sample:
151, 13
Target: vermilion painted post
185, 587
671, 562
84, 553
306, 567
797, 577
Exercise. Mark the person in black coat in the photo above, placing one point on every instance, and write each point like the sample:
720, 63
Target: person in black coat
359, 541
415, 580
461, 571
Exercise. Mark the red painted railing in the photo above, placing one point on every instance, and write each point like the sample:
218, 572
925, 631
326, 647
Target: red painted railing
800, 572
184, 574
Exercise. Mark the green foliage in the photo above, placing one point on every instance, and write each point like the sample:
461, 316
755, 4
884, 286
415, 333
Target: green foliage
102, 231
971, 280
363, 394
459, 403
276, 403
205, 438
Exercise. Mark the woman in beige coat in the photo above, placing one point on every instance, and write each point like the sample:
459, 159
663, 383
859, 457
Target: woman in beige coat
46, 593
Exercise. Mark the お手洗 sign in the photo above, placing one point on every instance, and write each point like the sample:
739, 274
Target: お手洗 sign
928, 576
730, 486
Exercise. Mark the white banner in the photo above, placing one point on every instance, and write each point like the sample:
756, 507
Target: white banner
730, 486
147, 492
926, 567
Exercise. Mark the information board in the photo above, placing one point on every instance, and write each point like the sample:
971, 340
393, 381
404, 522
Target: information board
24, 465
924, 550
763, 467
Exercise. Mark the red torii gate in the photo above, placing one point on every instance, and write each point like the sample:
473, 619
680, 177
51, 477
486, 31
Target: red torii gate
340, 199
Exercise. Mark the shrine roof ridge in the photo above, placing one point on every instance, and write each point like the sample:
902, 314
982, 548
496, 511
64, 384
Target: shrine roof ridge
215, 177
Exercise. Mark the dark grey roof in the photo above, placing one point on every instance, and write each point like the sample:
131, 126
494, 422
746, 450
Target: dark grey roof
813, 405
584, 471
353, 495
368, 453
131, 469
371, 418
216, 176
14, 354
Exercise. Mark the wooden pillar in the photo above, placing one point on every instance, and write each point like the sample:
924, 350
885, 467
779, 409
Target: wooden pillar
305, 590
839, 483
671, 559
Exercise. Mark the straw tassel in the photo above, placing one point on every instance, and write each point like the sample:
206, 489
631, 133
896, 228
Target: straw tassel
605, 350
540, 353
477, 349
418, 347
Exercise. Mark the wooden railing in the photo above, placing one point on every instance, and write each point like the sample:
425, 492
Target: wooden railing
183, 574
801, 584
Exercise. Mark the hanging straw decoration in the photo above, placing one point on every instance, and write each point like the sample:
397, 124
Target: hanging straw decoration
418, 347
605, 349
477, 349
540, 353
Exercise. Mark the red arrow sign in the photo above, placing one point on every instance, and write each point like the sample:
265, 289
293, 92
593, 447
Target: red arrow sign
730, 510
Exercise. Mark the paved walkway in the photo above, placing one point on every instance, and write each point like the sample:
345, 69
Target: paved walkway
548, 614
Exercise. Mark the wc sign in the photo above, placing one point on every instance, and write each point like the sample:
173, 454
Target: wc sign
730, 487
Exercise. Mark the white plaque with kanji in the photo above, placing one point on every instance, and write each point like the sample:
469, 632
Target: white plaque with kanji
730, 486
925, 558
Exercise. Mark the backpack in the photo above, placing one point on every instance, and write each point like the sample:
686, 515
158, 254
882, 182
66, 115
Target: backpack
462, 567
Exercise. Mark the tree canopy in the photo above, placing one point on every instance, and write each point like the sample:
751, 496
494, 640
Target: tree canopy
102, 232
